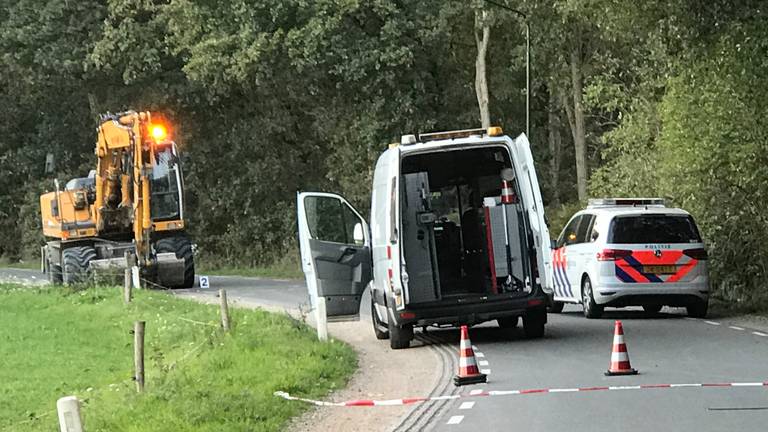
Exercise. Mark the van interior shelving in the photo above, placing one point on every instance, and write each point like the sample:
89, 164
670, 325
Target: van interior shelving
454, 245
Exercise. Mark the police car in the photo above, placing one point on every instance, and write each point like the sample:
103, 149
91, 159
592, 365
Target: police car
630, 252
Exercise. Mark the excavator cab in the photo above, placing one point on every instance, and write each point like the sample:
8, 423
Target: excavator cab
131, 204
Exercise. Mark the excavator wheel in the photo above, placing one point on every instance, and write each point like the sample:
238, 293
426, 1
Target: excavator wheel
182, 247
76, 264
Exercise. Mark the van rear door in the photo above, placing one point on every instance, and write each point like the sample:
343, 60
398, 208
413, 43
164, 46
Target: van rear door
534, 206
335, 252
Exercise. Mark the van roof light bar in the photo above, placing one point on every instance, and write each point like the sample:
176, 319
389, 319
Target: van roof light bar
634, 202
408, 140
465, 133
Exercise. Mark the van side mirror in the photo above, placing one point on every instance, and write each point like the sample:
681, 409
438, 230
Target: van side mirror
552, 244
357, 234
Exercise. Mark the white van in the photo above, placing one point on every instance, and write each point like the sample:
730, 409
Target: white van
457, 236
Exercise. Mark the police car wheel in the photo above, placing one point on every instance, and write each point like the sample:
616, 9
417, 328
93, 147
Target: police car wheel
652, 309
591, 309
508, 322
378, 326
556, 307
698, 310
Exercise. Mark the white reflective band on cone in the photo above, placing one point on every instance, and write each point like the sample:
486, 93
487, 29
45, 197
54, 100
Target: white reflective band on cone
619, 356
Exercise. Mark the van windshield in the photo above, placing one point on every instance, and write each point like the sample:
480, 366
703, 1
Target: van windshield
656, 228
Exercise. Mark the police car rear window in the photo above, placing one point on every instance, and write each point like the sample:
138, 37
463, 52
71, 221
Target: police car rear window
654, 229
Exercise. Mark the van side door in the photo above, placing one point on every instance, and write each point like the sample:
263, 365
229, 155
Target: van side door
534, 206
335, 252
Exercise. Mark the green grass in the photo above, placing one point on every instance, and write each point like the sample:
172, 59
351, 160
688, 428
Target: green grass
23, 264
56, 343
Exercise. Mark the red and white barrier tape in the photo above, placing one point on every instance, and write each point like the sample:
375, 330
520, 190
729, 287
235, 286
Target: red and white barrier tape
475, 393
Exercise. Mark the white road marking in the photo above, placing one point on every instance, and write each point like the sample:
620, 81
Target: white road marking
712, 323
482, 362
485, 371
691, 319
467, 405
479, 354
475, 348
475, 392
455, 420
760, 334
736, 328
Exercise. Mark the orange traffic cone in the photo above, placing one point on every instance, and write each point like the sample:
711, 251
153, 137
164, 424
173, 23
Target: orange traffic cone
619, 355
468, 372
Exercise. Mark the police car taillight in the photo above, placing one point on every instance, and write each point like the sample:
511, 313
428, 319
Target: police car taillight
613, 254
697, 254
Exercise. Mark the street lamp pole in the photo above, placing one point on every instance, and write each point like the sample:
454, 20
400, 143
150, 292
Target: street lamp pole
527, 63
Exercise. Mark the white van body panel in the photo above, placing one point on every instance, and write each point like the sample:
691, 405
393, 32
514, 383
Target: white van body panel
529, 187
385, 221
382, 212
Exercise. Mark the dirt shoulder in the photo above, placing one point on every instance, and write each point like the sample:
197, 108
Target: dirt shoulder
382, 374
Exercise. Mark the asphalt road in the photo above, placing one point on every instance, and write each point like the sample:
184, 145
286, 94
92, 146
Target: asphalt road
666, 348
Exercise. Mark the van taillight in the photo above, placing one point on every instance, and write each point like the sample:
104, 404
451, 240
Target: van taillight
697, 254
613, 254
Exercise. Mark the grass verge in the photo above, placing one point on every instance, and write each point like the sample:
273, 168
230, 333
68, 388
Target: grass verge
22, 264
56, 342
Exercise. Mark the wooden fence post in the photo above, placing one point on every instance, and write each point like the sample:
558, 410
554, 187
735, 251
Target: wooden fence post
130, 260
224, 310
138, 354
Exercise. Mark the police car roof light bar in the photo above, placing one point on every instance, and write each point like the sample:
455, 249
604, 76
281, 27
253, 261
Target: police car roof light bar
634, 202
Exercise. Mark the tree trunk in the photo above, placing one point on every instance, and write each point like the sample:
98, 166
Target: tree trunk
482, 37
555, 144
576, 120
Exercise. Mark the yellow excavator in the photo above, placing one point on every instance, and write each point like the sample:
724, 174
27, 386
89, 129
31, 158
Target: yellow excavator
130, 208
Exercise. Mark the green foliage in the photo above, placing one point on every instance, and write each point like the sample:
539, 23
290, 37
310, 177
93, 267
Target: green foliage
64, 342
713, 155
558, 216
270, 97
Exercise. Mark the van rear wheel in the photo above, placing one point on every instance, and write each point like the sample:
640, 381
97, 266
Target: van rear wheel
378, 326
399, 337
533, 323
507, 322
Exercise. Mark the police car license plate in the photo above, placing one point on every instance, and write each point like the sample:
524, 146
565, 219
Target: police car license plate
660, 269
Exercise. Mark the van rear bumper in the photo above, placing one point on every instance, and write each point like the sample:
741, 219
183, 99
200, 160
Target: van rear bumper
465, 312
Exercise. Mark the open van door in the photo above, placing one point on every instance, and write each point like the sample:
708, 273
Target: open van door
534, 206
335, 252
